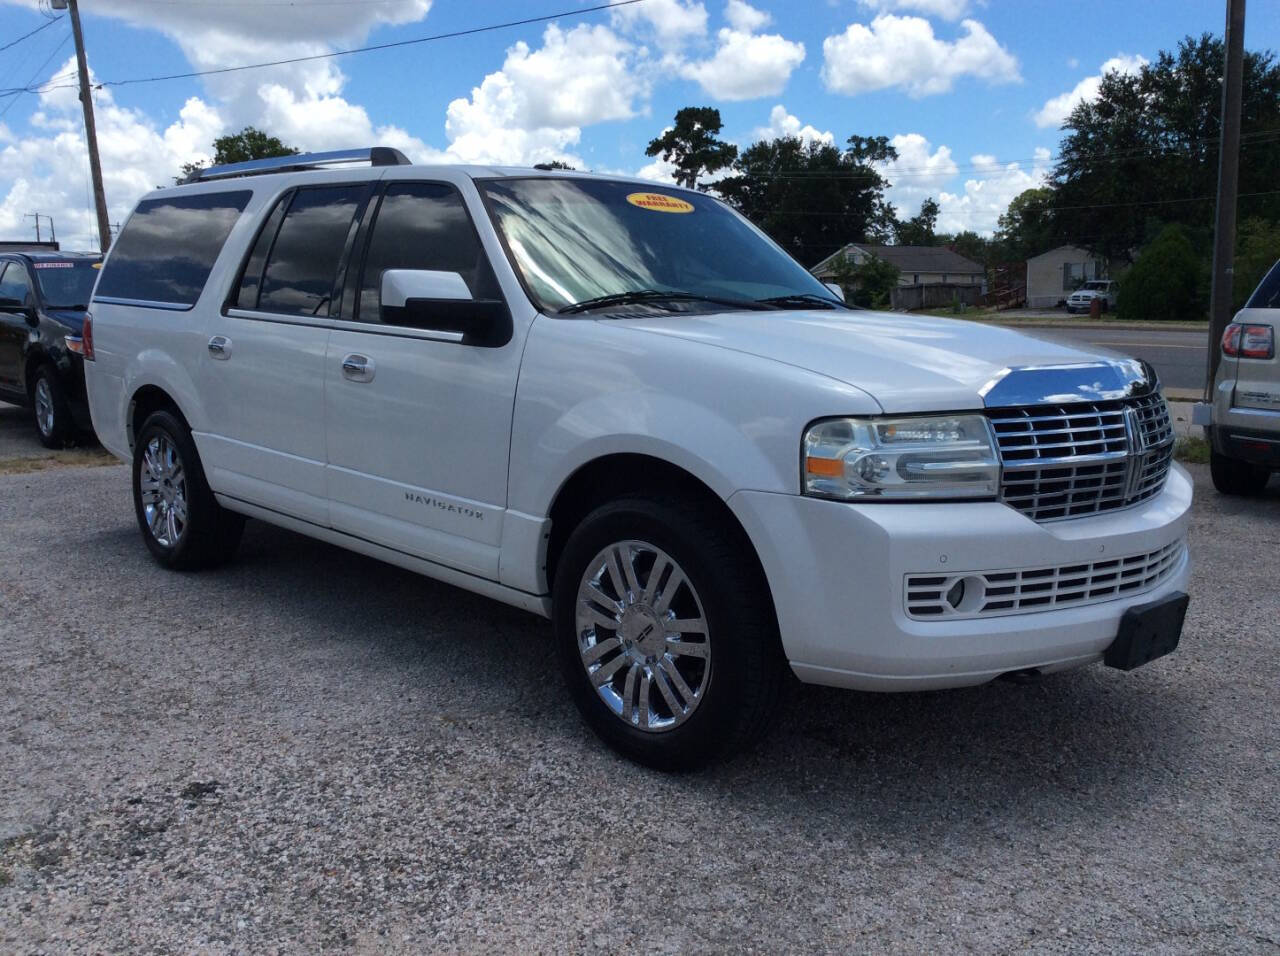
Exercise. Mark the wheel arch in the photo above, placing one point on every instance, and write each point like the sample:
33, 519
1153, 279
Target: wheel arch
619, 474
35, 357
143, 402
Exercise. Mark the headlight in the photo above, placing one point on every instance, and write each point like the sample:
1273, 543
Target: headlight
952, 456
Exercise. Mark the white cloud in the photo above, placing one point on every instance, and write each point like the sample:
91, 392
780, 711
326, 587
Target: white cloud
534, 108
746, 64
903, 52
674, 23
784, 124
48, 171
944, 9
745, 18
660, 171
920, 171
1055, 111
987, 193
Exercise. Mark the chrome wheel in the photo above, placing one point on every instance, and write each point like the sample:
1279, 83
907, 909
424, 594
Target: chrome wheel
45, 416
643, 636
162, 484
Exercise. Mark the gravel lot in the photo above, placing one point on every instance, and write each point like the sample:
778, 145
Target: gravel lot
310, 750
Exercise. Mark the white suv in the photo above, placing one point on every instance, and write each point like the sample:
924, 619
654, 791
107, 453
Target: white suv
622, 407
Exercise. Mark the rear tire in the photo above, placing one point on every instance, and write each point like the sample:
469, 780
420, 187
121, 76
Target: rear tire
685, 655
1234, 477
182, 524
49, 409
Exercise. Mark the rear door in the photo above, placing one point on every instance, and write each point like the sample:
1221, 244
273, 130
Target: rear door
418, 442
264, 371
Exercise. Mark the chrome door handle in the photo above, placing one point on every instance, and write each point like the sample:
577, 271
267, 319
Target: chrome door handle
358, 368
220, 347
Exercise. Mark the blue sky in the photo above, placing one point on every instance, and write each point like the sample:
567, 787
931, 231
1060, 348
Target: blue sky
972, 90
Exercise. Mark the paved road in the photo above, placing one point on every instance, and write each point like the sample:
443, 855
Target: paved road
311, 751
1177, 354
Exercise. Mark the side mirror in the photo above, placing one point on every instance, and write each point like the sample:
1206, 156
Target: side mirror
441, 301
836, 289
17, 307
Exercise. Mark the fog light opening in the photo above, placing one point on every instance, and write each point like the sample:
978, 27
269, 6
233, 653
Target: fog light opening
967, 594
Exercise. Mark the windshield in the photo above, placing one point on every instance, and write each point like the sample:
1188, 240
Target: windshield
576, 240
1096, 286
66, 284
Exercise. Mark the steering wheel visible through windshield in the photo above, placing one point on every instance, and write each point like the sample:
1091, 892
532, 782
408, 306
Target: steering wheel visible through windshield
574, 241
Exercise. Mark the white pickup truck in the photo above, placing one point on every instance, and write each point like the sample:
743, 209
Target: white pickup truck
621, 406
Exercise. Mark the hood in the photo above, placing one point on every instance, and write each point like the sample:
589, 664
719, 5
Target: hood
907, 363
73, 319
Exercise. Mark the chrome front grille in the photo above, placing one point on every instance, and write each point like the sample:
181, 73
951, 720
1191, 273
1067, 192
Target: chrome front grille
1071, 460
1019, 591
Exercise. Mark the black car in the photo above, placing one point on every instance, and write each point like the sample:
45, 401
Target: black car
43, 300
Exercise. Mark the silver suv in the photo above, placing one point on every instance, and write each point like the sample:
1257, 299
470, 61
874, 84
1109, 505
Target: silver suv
1244, 419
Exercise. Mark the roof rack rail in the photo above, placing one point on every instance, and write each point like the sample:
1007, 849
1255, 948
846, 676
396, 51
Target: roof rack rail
374, 156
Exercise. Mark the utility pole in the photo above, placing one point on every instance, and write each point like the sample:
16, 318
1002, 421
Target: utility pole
37, 216
1224, 230
90, 130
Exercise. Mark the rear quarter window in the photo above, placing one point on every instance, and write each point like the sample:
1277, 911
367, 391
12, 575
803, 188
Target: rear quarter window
1267, 295
168, 248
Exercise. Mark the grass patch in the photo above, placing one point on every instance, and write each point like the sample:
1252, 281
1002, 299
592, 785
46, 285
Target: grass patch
66, 458
1192, 450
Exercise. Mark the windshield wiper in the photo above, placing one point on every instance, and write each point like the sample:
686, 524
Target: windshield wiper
69, 308
640, 296
803, 299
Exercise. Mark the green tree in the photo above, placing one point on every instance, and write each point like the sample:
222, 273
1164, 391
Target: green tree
1257, 249
1147, 147
867, 283
552, 166
969, 244
918, 230
1166, 282
249, 143
813, 198
1026, 228
691, 145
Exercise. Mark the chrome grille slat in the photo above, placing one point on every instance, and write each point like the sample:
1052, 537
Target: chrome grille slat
1069, 461
1021, 590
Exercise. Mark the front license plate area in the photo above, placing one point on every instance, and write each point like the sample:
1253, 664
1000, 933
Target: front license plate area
1148, 631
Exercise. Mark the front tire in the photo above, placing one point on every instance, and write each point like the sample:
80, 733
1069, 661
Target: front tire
182, 524
1234, 477
666, 633
50, 410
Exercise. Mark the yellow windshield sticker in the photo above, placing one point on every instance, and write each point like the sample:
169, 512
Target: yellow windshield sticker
659, 202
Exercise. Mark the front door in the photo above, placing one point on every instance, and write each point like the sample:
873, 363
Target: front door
264, 373
14, 330
418, 423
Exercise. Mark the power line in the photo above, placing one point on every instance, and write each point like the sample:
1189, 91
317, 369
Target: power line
56, 49
47, 23
395, 44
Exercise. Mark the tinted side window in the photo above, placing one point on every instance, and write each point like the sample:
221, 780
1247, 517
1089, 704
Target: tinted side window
168, 247
303, 265
1267, 295
251, 277
423, 226
15, 283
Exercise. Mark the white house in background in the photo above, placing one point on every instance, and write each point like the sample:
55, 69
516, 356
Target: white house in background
917, 265
1054, 275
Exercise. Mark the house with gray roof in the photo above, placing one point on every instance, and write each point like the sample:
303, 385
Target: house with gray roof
917, 265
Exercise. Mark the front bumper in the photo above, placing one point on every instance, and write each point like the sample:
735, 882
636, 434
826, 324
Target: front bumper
837, 573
